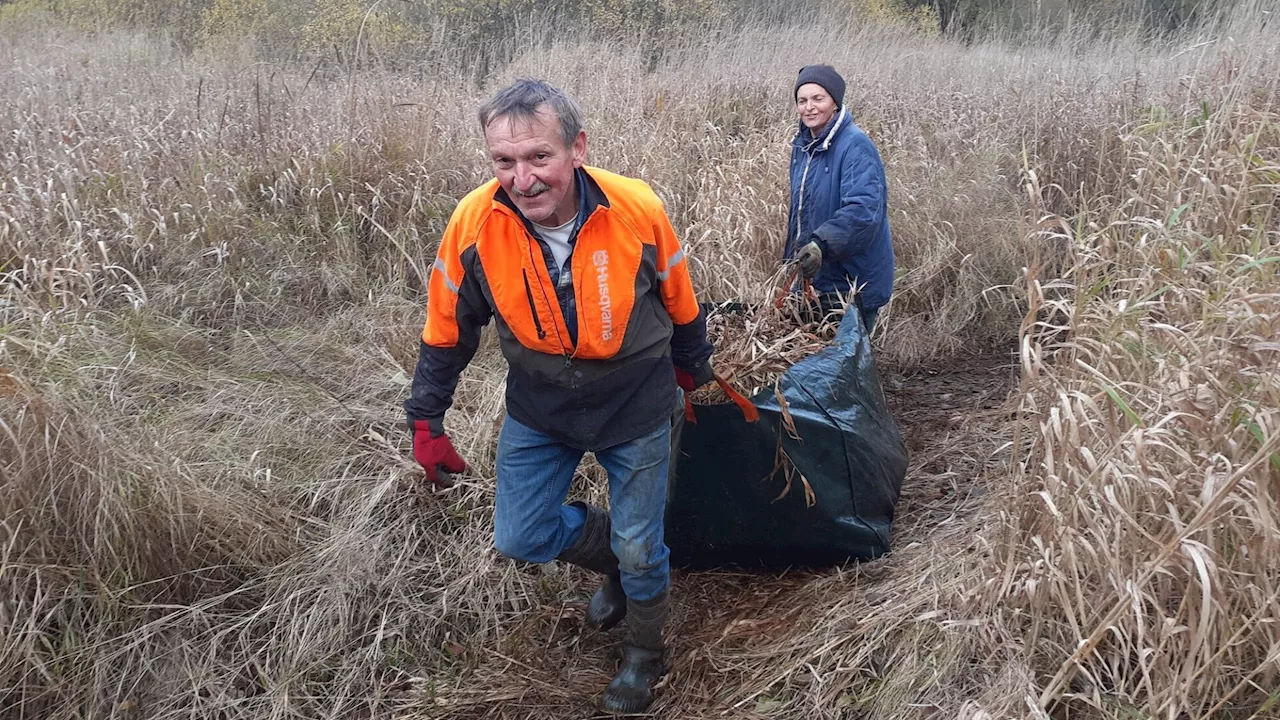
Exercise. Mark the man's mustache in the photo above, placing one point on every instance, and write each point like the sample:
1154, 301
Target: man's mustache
537, 188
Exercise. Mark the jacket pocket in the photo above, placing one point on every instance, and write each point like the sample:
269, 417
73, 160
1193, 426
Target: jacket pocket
533, 309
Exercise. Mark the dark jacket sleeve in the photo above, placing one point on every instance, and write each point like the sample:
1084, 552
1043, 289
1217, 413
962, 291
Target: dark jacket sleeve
436, 376
435, 379
691, 350
862, 189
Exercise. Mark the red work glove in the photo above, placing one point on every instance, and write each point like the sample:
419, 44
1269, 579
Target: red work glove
433, 450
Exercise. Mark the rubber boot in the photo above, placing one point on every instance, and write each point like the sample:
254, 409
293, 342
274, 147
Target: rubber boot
643, 657
608, 604
592, 551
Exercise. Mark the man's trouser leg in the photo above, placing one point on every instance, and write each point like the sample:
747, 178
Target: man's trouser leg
530, 520
532, 523
637, 502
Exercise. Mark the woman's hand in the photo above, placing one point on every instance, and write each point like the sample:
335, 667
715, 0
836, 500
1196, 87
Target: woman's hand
810, 259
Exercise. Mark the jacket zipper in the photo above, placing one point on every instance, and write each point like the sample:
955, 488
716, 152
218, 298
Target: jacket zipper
808, 152
804, 178
528, 293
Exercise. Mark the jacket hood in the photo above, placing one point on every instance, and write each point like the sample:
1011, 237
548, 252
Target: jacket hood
823, 141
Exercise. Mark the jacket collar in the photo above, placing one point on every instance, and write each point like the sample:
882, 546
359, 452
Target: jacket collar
823, 141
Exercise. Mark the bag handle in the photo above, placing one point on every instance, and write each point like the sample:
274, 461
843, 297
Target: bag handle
749, 411
785, 287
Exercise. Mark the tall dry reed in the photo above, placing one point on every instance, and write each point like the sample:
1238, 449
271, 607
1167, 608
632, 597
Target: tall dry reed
212, 286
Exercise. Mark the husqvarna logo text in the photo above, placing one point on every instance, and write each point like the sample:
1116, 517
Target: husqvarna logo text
600, 259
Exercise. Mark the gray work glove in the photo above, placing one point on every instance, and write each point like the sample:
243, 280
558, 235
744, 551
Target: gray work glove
810, 259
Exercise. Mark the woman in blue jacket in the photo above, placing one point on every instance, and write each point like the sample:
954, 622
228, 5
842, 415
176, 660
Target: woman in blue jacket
838, 224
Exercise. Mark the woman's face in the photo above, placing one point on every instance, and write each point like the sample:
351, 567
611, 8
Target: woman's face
815, 105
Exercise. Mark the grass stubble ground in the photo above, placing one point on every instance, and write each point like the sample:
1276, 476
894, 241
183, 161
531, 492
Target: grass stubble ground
212, 274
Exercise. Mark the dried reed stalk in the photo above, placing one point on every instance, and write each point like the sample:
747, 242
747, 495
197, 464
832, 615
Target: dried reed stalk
756, 345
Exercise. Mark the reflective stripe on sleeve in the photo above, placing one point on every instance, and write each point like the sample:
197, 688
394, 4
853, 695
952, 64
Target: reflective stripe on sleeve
674, 260
438, 266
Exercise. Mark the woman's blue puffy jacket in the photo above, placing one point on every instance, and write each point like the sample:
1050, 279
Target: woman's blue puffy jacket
839, 198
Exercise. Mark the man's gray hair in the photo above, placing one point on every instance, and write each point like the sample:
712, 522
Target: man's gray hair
521, 100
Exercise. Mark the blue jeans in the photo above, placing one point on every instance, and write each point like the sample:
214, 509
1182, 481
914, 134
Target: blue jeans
532, 523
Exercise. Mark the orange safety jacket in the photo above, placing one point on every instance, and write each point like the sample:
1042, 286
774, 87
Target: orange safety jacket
590, 362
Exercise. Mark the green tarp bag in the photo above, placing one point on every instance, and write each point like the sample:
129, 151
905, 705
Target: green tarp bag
728, 504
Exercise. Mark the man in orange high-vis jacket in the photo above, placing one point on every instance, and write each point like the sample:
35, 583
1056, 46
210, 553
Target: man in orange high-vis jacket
598, 321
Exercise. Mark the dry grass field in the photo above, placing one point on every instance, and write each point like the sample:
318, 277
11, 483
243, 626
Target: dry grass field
211, 288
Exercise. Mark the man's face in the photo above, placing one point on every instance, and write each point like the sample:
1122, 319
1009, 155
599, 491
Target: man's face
815, 105
535, 167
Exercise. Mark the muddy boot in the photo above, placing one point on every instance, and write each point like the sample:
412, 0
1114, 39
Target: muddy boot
643, 662
592, 551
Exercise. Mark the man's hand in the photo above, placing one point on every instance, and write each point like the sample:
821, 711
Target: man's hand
810, 259
434, 451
